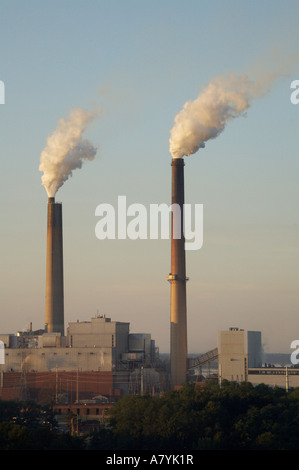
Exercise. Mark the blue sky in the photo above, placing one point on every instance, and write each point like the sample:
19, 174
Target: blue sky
139, 62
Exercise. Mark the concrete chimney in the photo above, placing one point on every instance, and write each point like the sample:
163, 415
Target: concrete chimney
177, 279
54, 316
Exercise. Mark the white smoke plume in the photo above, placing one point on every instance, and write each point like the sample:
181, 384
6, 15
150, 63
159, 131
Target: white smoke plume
225, 98
66, 150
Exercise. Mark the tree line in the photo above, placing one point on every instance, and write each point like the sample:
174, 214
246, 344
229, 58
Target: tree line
25, 425
233, 417
209, 417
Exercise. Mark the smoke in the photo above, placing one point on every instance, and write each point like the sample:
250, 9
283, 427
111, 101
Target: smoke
223, 99
66, 150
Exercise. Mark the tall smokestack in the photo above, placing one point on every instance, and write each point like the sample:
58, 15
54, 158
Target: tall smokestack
177, 279
54, 316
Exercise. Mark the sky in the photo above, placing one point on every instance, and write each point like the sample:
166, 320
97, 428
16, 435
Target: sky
137, 63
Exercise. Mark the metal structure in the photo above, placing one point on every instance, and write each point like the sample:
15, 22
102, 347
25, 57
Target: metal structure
203, 359
177, 279
54, 312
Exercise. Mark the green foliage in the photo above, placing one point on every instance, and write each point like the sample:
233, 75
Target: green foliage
237, 416
27, 426
233, 417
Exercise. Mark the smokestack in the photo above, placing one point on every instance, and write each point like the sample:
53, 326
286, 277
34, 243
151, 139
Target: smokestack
54, 315
177, 279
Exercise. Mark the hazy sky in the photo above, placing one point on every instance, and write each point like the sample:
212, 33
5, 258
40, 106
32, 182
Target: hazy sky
139, 62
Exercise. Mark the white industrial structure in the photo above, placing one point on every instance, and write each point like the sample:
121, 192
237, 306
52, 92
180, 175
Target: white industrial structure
237, 351
96, 345
240, 359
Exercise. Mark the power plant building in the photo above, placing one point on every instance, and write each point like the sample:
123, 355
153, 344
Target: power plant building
101, 357
241, 359
102, 348
238, 350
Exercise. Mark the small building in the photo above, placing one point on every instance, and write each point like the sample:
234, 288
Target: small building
238, 350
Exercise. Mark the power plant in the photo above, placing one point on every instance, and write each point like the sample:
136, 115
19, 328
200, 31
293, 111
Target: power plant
101, 357
177, 279
105, 357
54, 310
99, 361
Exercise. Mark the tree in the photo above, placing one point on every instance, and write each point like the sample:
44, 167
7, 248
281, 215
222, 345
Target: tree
235, 416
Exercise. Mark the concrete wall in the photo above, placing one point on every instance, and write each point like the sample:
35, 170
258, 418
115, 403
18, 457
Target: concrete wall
48, 359
100, 332
96, 345
275, 377
51, 340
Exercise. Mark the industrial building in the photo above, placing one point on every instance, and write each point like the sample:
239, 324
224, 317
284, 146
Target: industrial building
239, 357
238, 350
96, 357
98, 361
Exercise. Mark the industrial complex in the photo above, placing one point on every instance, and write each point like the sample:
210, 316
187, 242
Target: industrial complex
102, 350
93, 363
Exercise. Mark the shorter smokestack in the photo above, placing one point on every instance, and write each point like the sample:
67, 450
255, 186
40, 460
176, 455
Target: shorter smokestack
54, 314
